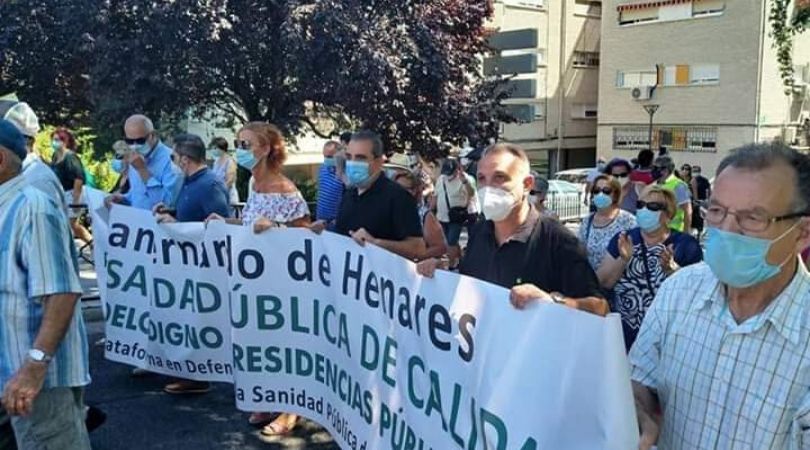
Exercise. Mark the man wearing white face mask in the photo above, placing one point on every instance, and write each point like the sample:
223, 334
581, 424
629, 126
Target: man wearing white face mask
375, 209
537, 258
153, 179
722, 360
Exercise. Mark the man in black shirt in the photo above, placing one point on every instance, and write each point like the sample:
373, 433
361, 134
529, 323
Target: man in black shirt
373, 208
701, 191
537, 258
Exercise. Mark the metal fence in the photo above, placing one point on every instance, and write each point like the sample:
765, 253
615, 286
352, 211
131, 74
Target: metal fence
569, 207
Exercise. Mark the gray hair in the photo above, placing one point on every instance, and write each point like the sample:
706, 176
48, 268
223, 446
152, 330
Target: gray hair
762, 156
370, 136
332, 145
513, 149
143, 120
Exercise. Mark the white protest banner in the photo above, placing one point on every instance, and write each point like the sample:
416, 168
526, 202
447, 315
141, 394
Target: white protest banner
354, 339
165, 297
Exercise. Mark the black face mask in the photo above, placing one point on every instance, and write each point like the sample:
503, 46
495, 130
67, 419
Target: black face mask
657, 173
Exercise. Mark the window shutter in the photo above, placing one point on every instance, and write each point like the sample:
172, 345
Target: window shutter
682, 74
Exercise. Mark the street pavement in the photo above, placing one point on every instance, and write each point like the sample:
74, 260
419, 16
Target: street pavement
141, 416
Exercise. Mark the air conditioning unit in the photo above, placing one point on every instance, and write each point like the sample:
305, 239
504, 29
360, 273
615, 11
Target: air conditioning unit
640, 93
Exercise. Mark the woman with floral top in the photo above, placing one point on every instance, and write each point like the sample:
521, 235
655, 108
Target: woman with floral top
598, 229
273, 201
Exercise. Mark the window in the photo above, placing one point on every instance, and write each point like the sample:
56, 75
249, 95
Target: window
674, 139
633, 79
588, 8
685, 75
586, 59
531, 3
708, 8
704, 74
668, 10
702, 139
630, 138
641, 15
584, 111
677, 11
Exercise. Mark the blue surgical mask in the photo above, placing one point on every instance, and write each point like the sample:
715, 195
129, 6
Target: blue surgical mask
649, 221
329, 161
56, 145
245, 158
602, 200
356, 172
741, 261
143, 149
117, 165
214, 153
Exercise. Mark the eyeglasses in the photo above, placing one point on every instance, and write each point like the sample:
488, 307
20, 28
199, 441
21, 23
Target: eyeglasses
136, 141
241, 144
660, 168
620, 175
605, 190
652, 206
750, 221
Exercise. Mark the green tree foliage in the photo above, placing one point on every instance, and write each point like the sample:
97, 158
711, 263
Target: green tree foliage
788, 19
409, 69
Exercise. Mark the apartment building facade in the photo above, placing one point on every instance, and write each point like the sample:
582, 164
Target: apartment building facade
708, 70
552, 47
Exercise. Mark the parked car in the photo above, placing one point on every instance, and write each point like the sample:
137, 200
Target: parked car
566, 199
576, 176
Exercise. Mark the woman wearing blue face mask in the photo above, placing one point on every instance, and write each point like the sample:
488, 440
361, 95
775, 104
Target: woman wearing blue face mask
638, 261
224, 167
598, 229
272, 201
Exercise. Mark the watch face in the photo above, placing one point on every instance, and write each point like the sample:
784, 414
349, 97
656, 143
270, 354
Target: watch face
37, 355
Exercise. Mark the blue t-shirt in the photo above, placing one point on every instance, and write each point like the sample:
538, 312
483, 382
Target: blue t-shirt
202, 194
634, 292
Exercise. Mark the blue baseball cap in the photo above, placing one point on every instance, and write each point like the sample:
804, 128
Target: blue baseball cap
12, 139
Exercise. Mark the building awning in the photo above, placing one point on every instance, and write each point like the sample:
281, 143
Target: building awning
651, 4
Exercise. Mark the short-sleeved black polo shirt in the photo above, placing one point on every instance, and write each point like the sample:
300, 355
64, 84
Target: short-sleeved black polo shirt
385, 210
546, 255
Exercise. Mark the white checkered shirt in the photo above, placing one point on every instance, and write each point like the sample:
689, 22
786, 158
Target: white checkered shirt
724, 385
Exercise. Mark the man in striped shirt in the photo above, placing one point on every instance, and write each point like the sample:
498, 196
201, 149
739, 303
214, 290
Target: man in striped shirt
43, 344
330, 188
724, 351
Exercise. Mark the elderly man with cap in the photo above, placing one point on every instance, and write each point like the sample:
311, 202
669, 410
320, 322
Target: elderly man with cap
43, 343
36, 172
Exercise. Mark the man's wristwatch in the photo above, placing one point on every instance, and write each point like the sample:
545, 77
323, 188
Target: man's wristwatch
37, 355
556, 297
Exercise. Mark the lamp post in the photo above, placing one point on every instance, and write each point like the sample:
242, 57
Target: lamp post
651, 109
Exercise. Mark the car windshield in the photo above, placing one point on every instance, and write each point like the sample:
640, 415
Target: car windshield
562, 187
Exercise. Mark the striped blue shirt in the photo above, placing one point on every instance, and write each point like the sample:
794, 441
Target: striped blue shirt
37, 259
330, 191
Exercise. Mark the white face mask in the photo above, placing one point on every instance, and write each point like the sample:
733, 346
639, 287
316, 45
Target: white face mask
496, 203
623, 181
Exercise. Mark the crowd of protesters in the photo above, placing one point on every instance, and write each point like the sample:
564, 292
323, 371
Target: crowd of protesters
717, 333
